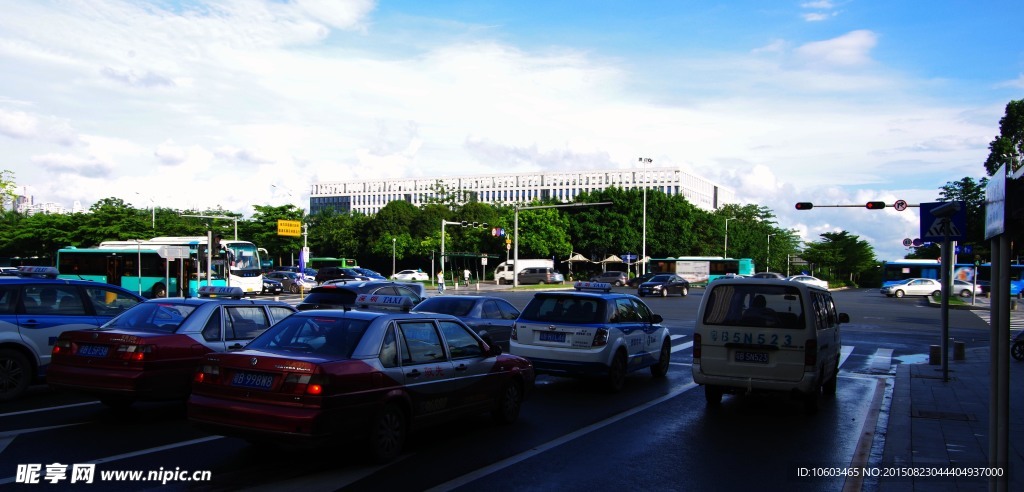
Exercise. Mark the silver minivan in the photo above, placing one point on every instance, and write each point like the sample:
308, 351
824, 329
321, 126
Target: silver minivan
755, 335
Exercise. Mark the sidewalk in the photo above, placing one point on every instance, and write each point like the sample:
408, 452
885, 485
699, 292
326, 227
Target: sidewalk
933, 423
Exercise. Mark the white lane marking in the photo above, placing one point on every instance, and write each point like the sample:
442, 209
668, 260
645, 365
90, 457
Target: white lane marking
7, 437
137, 453
844, 353
676, 337
47, 409
525, 455
682, 346
881, 361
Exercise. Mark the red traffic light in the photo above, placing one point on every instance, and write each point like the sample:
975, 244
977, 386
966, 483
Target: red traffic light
875, 205
804, 205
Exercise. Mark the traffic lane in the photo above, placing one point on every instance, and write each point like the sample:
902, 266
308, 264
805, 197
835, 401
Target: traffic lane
681, 444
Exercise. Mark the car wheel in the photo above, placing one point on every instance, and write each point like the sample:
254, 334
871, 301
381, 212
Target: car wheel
830, 386
15, 374
685, 292
937, 293
387, 436
617, 373
509, 402
660, 369
294, 289
540, 282
898, 294
965, 293
117, 402
712, 394
618, 283
664, 292
641, 294
1017, 350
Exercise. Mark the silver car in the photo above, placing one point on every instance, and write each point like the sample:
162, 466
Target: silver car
913, 287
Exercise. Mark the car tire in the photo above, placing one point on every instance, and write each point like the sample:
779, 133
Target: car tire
640, 294
1017, 350
899, 294
660, 369
509, 402
937, 293
540, 282
965, 293
388, 433
712, 395
685, 292
832, 384
294, 289
617, 373
15, 374
618, 283
664, 292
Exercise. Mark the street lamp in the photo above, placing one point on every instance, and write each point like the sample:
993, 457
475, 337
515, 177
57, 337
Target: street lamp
643, 248
393, 241
725, 253
768, 258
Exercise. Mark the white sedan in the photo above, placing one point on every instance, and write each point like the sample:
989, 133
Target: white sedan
807, 279
913, 287
411, 276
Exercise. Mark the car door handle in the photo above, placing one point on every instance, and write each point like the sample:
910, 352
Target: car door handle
462, 367
415, 373
235, 346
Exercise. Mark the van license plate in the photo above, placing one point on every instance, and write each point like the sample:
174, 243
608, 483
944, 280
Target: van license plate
756, 357
552, 336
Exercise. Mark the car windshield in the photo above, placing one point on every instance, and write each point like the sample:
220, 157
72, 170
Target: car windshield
161, 317
330, 336
564, 309
454, 306
660, 278
754, 305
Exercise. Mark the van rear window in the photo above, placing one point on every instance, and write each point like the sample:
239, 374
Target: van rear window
769, 306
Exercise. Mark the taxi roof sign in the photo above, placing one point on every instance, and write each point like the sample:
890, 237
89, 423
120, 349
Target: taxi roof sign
595, 286
38, 271
377, 301
215, 291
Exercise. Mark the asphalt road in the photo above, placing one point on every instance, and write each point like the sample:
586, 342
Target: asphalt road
572, 435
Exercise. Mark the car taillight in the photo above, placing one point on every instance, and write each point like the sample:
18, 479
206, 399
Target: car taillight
811, 355
134, 353
696, 347
302, 384
61, 347
207, 374
600, 338
514, 335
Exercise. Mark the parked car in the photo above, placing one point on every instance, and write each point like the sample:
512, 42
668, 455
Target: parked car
310, 272
411, 275
366, 272
664, 284
539, 275
770, 275
913, 287
341, 295
324, 377
617, 279
271, 286
151, 351
808, 279
639, 279
591, 334
964, 288
491, 317
756, 335
338, 273
291, 281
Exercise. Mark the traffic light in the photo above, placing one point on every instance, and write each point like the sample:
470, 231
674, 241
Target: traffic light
804, 205
875, 205
216, 249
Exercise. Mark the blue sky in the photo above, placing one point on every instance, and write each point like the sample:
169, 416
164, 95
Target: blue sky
205, 104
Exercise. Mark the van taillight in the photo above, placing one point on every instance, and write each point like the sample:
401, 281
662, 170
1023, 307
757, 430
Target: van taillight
600, 338
696, 347
811, 355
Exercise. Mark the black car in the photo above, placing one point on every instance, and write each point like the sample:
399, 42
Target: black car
338, 273
488, 316
369, 273
664, 284
271, 286
338, 295
635, 281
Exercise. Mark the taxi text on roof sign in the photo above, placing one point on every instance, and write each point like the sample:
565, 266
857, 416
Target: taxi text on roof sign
289, 228
602, 286
377, 300
216, 291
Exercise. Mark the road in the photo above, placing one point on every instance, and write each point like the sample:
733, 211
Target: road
572, 435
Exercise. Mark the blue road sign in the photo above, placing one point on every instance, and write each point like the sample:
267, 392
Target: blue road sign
939, 228
628, 257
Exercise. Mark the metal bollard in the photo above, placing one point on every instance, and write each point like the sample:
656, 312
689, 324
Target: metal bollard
959, 350
934, 355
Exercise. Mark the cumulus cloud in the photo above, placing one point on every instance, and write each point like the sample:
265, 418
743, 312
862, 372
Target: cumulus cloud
89, 167
135, 79
241, 155
25, 126
341, 14
850, 49
170, 153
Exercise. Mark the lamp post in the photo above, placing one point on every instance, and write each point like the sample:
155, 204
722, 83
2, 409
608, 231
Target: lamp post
393, 242
643, 248
725, 252
768, 258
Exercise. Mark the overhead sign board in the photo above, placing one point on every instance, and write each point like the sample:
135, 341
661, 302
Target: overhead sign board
995, 204
939, 228
289, 228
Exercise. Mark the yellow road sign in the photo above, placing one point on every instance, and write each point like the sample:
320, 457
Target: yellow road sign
289, 228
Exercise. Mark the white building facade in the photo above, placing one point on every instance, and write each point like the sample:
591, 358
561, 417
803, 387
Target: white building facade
369, 196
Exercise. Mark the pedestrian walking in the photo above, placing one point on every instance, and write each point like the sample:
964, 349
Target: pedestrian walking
465, 274
440, 282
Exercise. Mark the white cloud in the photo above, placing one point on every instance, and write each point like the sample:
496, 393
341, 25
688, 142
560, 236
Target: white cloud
26, 126
850, 49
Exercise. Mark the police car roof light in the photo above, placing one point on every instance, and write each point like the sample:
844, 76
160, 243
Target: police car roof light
213, 291
38, 272
594, 286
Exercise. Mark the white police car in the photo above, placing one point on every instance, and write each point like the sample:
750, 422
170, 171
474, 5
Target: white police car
597, 334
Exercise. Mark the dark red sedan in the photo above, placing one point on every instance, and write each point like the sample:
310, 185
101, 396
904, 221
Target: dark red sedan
324, 376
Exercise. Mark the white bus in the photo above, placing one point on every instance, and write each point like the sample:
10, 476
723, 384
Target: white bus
241, 259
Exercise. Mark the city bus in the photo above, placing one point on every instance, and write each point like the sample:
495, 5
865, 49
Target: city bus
241, 265
152, 271
324, 261
702, 269
899, 270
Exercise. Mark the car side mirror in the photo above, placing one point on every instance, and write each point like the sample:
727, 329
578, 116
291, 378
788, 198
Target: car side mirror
844, 318
656, 318
494, 349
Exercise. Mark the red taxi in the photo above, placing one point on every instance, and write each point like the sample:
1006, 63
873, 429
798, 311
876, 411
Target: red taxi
323, 376
150, 351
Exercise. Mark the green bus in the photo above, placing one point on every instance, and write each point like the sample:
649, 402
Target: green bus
152, 271
322, 261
